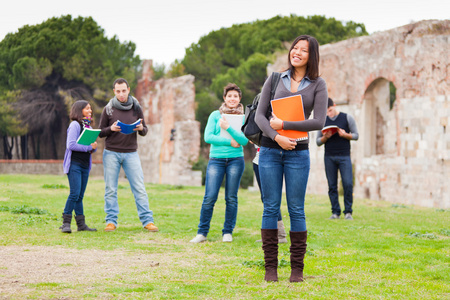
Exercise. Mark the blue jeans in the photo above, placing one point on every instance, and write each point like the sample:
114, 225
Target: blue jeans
274, 164
217, 168
131, 164
258, 180
78, 179
344, 165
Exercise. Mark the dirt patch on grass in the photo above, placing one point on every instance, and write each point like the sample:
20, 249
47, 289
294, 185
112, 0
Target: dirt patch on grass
23, 268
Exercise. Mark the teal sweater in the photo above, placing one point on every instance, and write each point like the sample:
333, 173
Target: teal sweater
221, 146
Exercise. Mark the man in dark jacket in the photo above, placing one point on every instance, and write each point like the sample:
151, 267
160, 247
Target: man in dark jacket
121, 151
337, 157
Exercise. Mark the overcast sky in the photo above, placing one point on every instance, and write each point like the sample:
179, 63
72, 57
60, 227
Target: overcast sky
163, 29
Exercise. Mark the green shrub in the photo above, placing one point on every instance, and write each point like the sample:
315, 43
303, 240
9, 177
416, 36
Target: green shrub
25, 209
55, 186
247, 177
426, 235
445, 232
201, 165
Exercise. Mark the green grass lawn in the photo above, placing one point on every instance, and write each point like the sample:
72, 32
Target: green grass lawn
387, 252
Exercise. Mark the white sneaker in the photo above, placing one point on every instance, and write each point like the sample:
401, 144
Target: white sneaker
199, 238
227, 237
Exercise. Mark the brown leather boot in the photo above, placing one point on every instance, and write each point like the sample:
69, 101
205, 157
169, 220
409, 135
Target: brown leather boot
270, 247
281, 233
298, 250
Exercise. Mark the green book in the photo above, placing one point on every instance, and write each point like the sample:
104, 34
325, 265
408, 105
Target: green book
88, 136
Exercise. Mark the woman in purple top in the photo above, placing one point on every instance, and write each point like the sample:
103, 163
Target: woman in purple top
77, 164
281, 157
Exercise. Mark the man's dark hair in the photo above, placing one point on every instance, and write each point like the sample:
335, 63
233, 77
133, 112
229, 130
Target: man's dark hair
231, 87
312, 67
330, 102
120, 81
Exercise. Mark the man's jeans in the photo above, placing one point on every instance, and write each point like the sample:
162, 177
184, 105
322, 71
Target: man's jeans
78, 179
131, 164
217, 168
344, 165
294, 165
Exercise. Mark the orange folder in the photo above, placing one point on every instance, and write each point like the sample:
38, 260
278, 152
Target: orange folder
290, 109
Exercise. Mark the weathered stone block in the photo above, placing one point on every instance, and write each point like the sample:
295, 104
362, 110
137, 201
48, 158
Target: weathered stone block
172, 144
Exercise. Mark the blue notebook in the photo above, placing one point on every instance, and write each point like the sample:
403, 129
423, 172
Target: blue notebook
128, 128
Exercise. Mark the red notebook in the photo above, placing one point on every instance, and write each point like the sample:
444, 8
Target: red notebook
290, 109
332, 128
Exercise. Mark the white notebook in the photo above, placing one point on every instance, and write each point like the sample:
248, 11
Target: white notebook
235, 121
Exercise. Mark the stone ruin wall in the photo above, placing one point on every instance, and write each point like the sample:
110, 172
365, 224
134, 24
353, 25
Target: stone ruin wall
172, 143
403, 153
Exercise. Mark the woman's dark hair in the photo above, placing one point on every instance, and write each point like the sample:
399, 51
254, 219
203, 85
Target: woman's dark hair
76, 112
312, 67
231, 87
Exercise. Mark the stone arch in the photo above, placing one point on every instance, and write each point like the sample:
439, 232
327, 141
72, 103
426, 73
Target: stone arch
379, 128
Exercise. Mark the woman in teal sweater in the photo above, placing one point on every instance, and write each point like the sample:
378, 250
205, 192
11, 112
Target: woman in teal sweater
226, 158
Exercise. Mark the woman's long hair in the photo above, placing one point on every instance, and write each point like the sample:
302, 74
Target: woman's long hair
76, 111
312, 67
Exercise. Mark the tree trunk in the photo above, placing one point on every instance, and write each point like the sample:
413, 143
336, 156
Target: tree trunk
54, 150
38, 147
24, 146
17, 147
33, 146
6, 148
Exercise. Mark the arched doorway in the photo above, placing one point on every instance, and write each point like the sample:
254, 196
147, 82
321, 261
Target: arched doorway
379, 127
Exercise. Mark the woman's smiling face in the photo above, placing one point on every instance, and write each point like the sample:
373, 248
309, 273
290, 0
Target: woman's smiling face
300, 54
232, 99
87, 111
